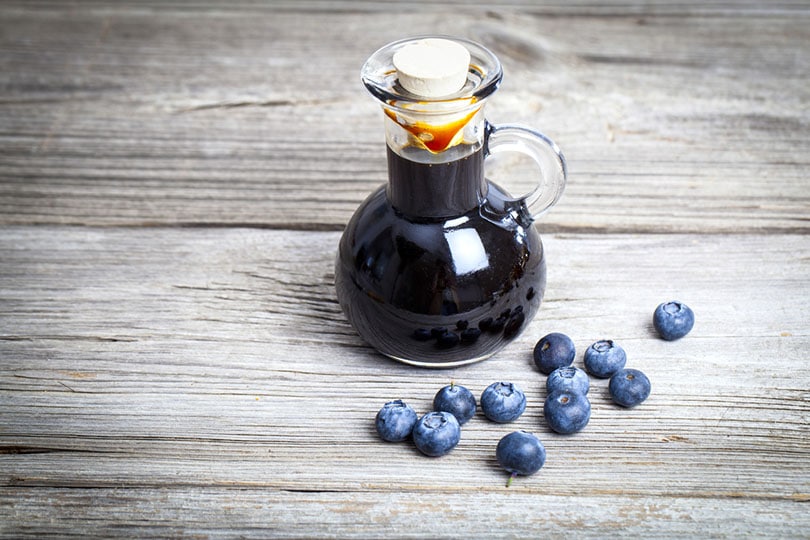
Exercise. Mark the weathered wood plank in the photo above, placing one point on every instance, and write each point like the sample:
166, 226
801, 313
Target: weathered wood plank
140, 115
201, 381
261, 513
207, 367
392, 8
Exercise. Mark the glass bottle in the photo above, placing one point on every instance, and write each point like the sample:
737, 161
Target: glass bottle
441, 267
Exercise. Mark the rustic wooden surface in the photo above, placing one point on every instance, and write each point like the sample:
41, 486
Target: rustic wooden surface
174, 178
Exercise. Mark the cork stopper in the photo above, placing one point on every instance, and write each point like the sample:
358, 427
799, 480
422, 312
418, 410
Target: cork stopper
432, 67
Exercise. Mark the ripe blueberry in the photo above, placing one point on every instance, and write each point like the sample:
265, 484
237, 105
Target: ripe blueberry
456, 400
514, 324
629, 387
436, 433
497, 325
421, 334
469, 335
568, 378
604, 358
503, 402
438, 331
395, 421
447, 340
520, 453
567, 412
673, 320
553, 351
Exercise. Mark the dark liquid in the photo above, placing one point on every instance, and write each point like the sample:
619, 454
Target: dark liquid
437, 190
429, 274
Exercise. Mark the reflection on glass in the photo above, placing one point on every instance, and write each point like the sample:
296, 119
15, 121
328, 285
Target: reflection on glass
467, 251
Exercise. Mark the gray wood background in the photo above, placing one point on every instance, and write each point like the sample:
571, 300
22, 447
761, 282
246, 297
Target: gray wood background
174, 177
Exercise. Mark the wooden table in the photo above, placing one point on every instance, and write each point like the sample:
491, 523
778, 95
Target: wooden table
174, 178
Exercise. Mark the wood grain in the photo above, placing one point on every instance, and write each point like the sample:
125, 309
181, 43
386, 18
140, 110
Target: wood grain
212, 367
259, 513
686, 118
173, 362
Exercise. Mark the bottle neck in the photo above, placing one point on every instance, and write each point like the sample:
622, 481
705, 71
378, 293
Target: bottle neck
440, 189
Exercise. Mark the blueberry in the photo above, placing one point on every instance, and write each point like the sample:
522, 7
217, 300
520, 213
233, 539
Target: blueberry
568, 378
515, 323
395, 421
503, 402
604, 358
567, 412
553, 351
497, 325
438, 331
456, 400
673, 320
447, 340
520, 453
469, 335
436, 433
629, 387
421, 334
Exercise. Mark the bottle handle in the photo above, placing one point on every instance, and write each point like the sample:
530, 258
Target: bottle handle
545, 153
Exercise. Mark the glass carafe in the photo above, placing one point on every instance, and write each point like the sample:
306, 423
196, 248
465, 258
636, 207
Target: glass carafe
440, 266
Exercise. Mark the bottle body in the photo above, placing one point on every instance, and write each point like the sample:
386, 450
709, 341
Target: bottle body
441, 267
444, 290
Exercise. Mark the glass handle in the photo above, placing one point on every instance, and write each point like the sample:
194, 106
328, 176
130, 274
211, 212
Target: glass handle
545, 153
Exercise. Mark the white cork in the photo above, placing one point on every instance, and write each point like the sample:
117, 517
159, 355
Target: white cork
432, 67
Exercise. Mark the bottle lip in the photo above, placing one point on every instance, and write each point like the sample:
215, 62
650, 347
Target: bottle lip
484, 75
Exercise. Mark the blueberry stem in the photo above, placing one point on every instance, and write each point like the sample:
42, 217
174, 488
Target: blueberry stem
511, 477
